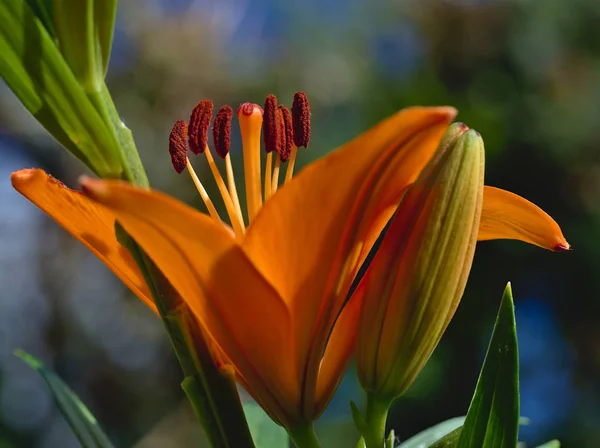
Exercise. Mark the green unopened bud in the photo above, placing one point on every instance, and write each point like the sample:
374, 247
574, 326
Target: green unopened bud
417, 277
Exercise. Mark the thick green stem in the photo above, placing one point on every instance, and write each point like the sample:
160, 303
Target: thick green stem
212, 394
304, 436
218, 386
133, 170
377, 411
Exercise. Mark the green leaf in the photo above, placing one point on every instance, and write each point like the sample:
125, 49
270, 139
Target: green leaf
432, 435
85, 31
43, 10
449, 440
493, 417
105, 13
80, 419
265, 432
77, 41
35, 70
550, 444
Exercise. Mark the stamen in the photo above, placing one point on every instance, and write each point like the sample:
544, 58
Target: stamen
287, 137
251, 117
232, 188
301, 119
199, 124
270, 139
222, 141
236, 220
289, 172
212, 211
301, 129
268, 170
284, 142
222, 131
271, 129
275, 178
178, 145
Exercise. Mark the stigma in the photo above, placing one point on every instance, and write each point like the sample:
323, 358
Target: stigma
282, 133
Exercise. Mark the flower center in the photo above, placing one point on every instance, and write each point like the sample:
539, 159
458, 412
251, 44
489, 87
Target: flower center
283, 132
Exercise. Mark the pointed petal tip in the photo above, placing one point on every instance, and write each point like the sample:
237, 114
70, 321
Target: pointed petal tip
24, 175
563, 246
448, 112
93, 188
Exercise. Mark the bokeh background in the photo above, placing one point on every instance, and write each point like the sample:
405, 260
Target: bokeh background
525, 73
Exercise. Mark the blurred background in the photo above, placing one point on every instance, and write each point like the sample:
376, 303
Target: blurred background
524, 73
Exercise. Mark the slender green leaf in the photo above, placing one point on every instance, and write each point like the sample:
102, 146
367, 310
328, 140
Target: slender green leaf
550, 444
43, 10
449, 440
74, 21
83, 424
493, 417
35, 70
105, 13
265, 432
432, 435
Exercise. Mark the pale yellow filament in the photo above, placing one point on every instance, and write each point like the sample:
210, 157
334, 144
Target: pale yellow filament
268, 170
275, 179
289, 173
212, 211
236, 219
232, 188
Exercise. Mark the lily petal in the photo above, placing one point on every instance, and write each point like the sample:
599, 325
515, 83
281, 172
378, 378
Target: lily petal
307, 238
338, 353
211, 272
90, 223
506, 215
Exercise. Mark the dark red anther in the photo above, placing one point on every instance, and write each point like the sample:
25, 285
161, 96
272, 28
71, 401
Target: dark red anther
178, 145
222, 131
287, 135
301, 119
199, 124
270, 127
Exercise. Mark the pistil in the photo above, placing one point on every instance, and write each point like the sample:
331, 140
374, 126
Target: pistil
251, 117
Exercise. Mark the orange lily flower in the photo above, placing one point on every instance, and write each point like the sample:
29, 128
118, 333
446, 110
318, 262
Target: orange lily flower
269, 289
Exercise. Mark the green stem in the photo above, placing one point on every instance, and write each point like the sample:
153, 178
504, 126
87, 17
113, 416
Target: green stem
219, 388
133, 169
213, 396
304, 436
377, 411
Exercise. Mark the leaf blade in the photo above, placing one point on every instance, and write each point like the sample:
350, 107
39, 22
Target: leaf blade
265, 432
82, 422
493, 417
434, 434
35, 70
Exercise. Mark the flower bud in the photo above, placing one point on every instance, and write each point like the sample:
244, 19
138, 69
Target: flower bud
415, 282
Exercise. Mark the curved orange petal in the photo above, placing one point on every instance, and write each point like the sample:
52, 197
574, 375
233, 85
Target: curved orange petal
338, 353
208, 268
90, 223
308, 237
506, 215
